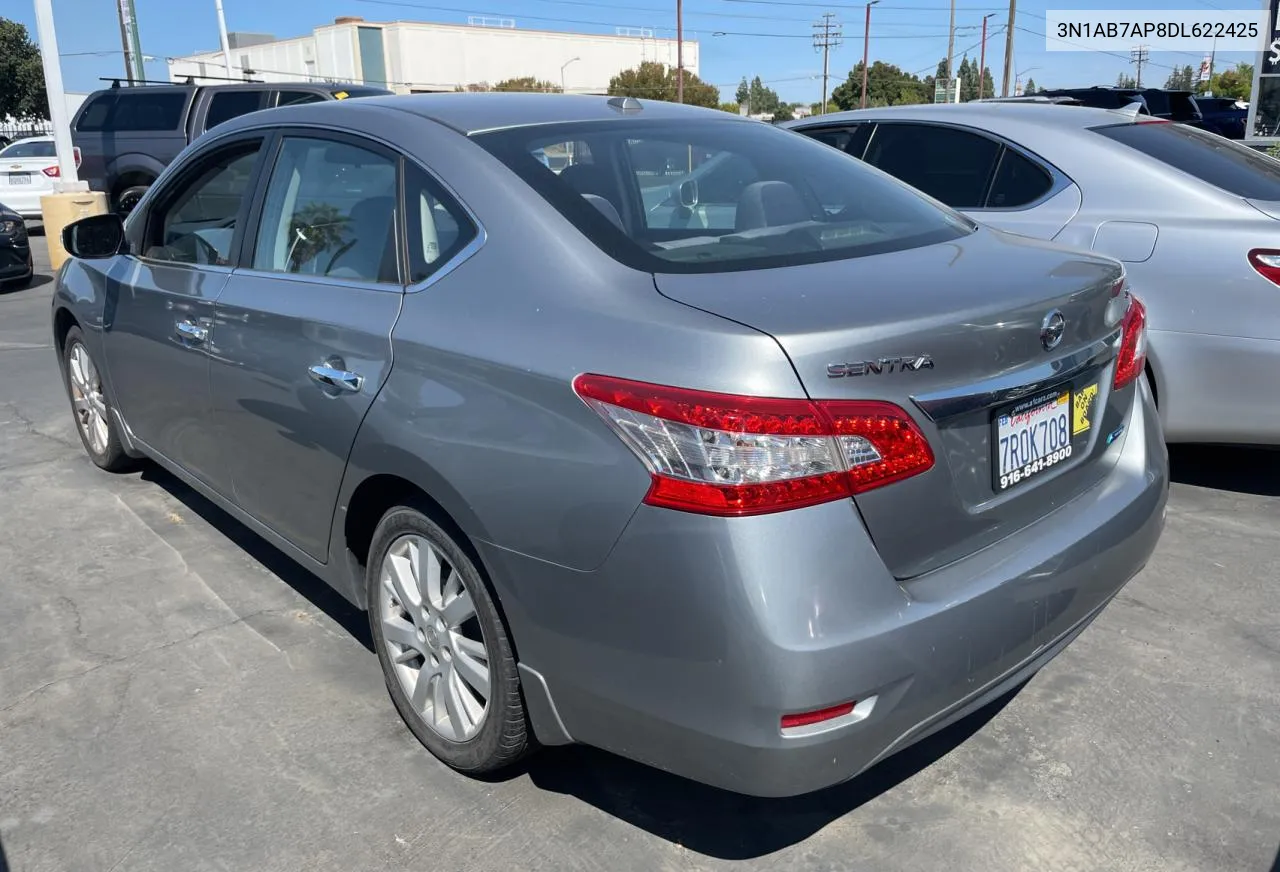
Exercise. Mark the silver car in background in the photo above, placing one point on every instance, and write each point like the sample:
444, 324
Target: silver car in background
757, 473
1194, 217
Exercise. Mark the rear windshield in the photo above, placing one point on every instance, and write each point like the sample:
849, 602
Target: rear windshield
38, 148
718, 195
1223, 163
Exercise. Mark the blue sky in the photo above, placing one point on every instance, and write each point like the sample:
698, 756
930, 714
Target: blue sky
768, 38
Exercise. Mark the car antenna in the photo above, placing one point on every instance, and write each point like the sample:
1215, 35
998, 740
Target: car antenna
1132, 111
625, 104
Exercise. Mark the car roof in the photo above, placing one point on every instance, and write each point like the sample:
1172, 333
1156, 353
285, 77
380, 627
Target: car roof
471, 113
982, 114
43, 137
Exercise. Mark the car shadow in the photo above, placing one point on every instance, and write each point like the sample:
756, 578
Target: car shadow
730, 826
4, 864
1241, 470
305, 583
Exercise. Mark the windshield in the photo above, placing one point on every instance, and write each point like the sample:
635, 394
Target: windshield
718, 195
1223, 163
29, 148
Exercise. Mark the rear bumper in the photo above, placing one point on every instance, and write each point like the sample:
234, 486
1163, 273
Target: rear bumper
25, 202
685, 648
1217, 388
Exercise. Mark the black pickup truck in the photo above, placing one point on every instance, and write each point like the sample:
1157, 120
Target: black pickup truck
128, 135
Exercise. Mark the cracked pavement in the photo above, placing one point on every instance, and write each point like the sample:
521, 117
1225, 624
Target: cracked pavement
175, 694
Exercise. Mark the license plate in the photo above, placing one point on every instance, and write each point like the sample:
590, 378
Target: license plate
1031, 438
19, 178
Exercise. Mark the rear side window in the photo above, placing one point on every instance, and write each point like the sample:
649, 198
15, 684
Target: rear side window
297, 98
1019, 182
437, 228
1220, 162
951, 165
717, 195
95, 115
226, 105
852, 140
155, 111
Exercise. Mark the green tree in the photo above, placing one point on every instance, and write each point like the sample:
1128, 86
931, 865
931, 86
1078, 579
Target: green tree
887, 85
743, 94
758, 99
1032, 88
784, 112
654, 81
1235, 83
1180, 79
22, 94
729, 107
1124, 80
527, 83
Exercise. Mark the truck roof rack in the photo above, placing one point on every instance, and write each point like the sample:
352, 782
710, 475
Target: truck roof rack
190, 80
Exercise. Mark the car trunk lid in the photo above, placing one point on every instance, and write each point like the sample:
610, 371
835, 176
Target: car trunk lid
953, 333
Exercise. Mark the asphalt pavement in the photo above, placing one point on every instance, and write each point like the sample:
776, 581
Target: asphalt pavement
176, 694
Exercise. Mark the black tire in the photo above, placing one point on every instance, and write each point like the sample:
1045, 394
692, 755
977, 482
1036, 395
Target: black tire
127, 199
110, 455
503, 736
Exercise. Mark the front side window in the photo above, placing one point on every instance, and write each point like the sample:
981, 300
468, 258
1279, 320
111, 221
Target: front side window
852, 140
329, 211
950, 165
196, 222
226, 105
29, 148
717, 195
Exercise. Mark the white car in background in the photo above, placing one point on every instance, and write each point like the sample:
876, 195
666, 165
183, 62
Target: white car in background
28, 170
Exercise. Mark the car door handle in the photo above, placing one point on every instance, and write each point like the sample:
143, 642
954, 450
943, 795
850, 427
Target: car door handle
332, 377
191, 332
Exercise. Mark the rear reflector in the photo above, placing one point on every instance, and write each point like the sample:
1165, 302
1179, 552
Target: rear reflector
723, 454
807, 718
1132, 359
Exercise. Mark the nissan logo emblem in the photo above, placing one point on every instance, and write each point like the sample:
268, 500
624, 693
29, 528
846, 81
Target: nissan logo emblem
1051, 330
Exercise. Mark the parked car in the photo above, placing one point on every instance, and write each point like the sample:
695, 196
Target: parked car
129, 135
1224, 116
16, 266
759, 501
1193, 217
28, 169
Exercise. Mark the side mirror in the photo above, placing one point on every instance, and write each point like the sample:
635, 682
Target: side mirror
689, 193
97, 236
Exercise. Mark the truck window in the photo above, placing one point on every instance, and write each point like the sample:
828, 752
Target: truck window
226, 105
297, 98
147, 111
95, 114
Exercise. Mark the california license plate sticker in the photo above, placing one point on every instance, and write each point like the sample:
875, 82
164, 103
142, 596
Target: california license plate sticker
1031, 438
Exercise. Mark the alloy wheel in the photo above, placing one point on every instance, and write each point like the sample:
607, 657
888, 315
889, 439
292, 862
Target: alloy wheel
86, 398
433, 638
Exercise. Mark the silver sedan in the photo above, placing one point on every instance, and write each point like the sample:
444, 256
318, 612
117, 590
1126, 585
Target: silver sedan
1194, 217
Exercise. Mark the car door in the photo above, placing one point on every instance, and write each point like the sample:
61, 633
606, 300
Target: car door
303, 328
160, 301
989, 179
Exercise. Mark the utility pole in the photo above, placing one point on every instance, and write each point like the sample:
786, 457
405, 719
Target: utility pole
866, 52
132, 45
222, 35
826, 36
1008, 48
951, 46
982, 62
1139, 56
679, 51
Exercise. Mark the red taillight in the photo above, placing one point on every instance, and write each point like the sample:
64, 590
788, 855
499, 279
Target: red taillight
805, 719
52, 172
722, 454
1132, 358
1266, 262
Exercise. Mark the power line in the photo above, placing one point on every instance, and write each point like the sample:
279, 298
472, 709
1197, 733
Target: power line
826, 36
1139, 56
